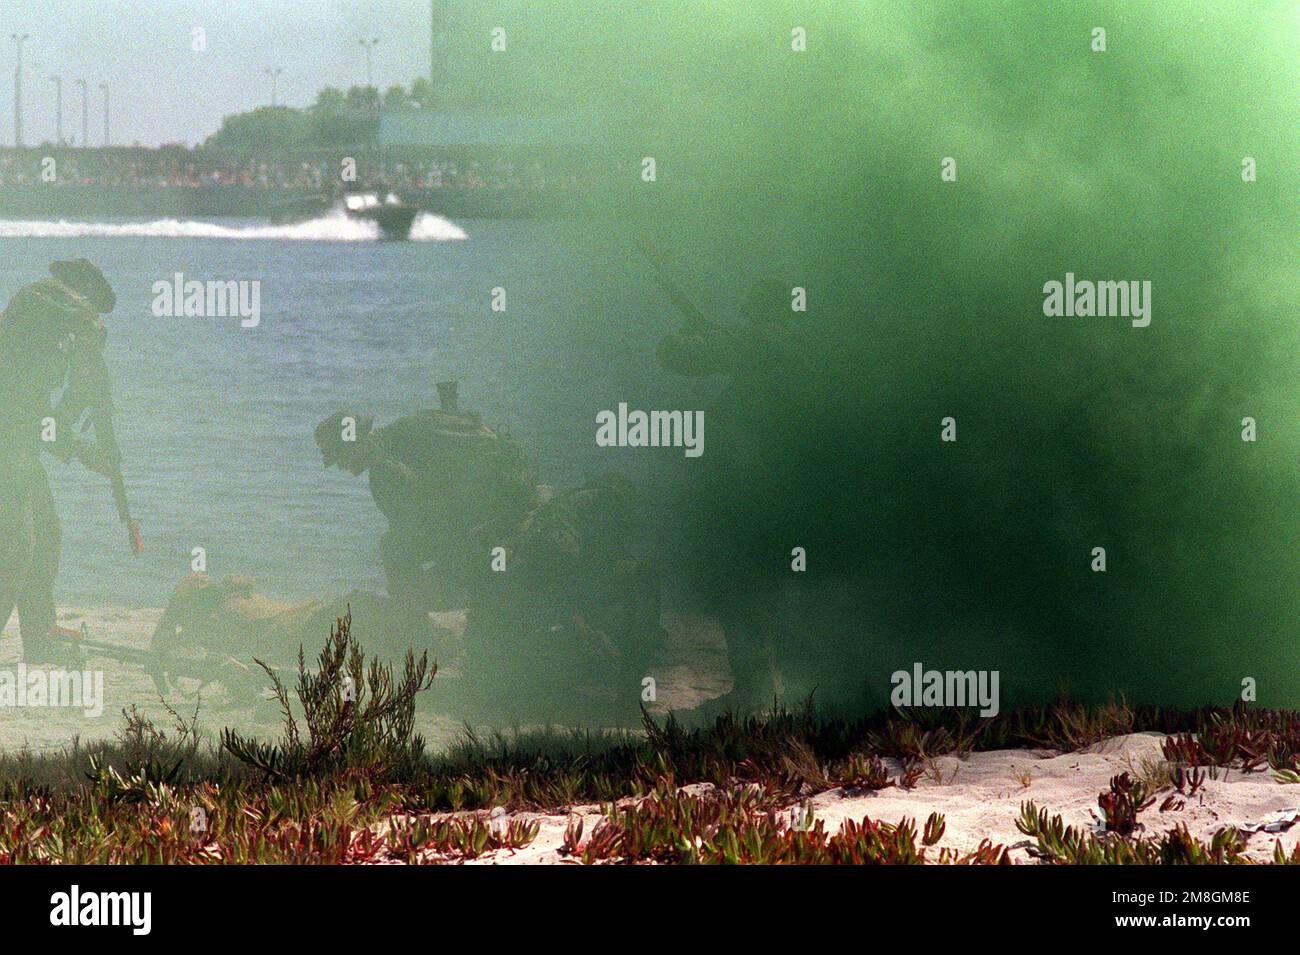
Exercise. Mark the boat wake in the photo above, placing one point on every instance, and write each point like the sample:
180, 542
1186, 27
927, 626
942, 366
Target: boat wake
334, 226
430, 228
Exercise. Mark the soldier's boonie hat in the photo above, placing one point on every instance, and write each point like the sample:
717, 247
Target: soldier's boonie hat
86, 280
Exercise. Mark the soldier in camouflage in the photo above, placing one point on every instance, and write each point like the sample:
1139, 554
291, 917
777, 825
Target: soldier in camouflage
436, 475
51, 341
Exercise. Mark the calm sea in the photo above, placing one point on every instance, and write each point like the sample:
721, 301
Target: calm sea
215, 420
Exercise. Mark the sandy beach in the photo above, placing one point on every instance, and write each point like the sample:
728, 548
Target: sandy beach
979, 793
980, 797
693, 670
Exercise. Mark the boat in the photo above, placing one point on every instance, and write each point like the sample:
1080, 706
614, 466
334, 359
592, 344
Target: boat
392, 215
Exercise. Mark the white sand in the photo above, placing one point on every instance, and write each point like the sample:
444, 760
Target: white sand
980, 798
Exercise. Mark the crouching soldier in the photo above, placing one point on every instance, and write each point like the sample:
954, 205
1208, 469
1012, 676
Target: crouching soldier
559, 605
436, 475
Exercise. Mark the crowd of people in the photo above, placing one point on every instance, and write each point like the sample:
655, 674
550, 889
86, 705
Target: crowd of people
177, 168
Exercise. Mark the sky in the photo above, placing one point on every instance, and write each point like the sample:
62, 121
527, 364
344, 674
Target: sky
163, 91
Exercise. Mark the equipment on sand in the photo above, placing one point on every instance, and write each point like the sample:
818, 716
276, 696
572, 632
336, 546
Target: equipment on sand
196, 666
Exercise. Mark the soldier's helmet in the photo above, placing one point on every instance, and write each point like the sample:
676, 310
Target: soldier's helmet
329, 435
87, 281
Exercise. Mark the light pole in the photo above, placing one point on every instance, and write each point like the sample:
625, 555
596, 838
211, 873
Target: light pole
369, 45
18, 89
104, 87
275, 76
85, 112
58, 109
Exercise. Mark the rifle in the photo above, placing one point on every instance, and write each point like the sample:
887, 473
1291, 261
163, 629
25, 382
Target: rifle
101, 417
88, 390
153, 663
164, 668
693, 316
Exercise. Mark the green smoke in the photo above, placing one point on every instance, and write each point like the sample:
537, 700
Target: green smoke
822, 169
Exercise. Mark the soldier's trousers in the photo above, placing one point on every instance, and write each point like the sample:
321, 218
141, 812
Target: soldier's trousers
420, 576
30, 542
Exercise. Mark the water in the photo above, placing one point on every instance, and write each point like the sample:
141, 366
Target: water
215, 420
337, 226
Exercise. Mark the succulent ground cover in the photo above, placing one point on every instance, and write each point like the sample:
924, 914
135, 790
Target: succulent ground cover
349, 781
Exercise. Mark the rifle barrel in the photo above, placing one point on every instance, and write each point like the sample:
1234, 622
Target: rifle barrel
675, 295
107, 438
